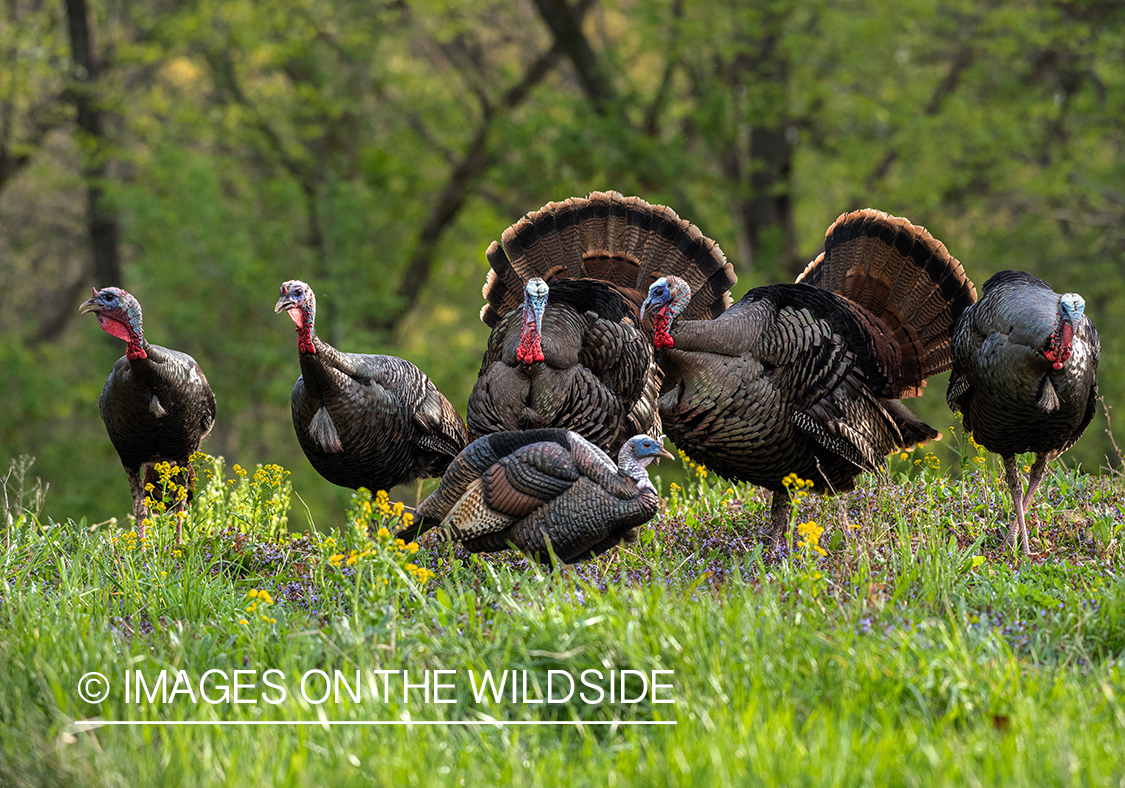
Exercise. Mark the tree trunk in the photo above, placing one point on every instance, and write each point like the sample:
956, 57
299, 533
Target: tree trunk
565, 24
767, 171
100, 220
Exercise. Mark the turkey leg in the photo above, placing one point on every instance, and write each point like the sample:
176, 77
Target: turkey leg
1015, 488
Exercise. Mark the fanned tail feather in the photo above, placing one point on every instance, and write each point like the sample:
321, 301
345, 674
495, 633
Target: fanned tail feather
621, 240
903, 275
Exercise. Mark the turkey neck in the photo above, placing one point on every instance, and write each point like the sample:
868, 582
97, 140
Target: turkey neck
145, 357
634, 469
318, 368
530, 348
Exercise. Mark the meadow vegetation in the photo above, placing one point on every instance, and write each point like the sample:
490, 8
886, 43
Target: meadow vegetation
376, 150
900, 645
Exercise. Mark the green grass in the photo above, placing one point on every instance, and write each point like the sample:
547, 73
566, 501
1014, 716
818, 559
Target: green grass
914, 651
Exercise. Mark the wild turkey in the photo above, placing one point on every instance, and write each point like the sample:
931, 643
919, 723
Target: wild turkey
543, 490
805, 378
1025, 363
567, 348
365, 421
157, 405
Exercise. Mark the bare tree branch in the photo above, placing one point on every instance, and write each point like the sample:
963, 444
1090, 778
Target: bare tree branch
59, 310
456, 190
565, 23
43, 118
660, 98
226, 80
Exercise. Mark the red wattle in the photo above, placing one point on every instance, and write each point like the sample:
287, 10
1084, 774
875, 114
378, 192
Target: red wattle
304, 333
530, 348
1060, 348
134, 348
115, 328
663, 339
304, 340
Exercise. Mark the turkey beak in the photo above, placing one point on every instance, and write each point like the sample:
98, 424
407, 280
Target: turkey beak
644, 306
653, 306
665, 453
284, 304
90, 304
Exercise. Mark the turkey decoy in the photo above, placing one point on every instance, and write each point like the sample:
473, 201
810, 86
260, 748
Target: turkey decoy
157, 405
362, 420
1025, 363
564, 291
544, 491
806, 378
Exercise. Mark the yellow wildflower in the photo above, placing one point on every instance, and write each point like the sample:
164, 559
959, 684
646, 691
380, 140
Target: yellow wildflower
810, 534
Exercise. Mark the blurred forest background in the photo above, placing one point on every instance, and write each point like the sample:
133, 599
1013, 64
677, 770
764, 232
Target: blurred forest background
200, 153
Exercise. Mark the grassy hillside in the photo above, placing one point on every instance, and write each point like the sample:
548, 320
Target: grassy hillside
903, 648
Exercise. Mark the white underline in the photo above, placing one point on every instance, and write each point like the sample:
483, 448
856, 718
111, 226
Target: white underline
90, 724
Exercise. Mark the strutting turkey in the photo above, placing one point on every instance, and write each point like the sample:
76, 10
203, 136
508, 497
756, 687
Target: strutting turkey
1025, 362
363, 420
805, 378
567, 348
543, 490
157, 405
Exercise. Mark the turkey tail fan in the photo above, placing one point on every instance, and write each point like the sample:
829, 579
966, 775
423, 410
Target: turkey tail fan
499, 299
624, 241
903, 275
